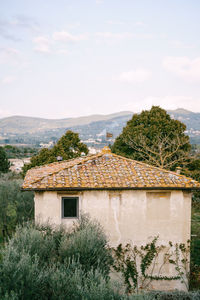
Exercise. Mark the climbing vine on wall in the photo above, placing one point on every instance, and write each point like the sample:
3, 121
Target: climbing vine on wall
140, 265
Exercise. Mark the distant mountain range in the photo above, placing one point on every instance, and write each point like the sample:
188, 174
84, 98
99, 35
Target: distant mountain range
21, 124
92, 129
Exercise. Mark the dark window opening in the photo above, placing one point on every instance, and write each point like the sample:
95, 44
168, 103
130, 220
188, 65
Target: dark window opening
70, 207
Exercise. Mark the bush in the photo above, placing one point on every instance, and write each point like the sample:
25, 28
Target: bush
41, 263
176, 295
87, 243
16, 206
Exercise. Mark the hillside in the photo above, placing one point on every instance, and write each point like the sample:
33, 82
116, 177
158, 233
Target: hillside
92, 129
22, 125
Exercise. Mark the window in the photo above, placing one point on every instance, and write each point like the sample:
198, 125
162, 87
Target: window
70, 207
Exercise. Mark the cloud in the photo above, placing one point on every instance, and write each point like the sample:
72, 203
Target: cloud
115, 22
64, 36
180, 45
114, 36
42, 44
110, 37
4, 32
183, 67
166, 102
8, 79
25, 22
18, 22
134, 76
139, 24
9, 55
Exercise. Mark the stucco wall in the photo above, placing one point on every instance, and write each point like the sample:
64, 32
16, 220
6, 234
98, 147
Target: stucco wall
127, 216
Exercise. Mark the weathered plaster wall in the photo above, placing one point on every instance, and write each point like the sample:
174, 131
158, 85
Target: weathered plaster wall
127, 216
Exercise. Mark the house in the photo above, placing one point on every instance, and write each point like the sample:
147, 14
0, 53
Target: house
132, 200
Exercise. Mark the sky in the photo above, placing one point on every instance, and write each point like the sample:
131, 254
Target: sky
69, 58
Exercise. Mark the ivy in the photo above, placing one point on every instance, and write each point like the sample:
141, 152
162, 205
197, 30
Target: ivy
139, 264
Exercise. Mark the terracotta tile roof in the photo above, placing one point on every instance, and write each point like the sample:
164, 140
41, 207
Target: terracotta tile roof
104, 170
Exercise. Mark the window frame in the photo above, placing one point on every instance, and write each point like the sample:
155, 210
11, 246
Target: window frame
77, 207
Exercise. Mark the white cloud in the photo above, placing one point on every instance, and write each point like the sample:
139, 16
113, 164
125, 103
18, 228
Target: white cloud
135, 76
8, 80
139, 24
184, 67
111, 22
62, 51
9, 55
64, 36
42, 44
166, 102
110, 37
180, 45
114, 36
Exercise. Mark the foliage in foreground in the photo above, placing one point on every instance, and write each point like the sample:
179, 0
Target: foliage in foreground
16, 206
42, 263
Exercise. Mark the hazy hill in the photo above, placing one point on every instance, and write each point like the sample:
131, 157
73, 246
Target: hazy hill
92, 129
21, 124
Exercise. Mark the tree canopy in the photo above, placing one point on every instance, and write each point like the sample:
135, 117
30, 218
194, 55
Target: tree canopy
16, 206
4, 162
155, 138
68, 146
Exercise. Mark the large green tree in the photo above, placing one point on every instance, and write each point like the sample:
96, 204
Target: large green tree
155, 138
4, 162
68, 146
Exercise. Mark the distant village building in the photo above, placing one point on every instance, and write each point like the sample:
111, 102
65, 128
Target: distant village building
47, 145
93, 150
16, 164
132, 200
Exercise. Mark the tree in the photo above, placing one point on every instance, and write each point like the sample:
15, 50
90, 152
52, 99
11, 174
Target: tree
153, 137
16, 206
4, 163
68, 146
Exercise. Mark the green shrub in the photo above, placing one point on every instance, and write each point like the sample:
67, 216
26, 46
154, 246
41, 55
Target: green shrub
39, 262
87, 243
16, 206
174, 295
72, 283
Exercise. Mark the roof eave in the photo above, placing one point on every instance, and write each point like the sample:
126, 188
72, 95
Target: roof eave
108, 188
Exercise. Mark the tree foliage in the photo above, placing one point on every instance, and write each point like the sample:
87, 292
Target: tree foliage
40, 262
16, 206
68, 146
4, 163
153, 137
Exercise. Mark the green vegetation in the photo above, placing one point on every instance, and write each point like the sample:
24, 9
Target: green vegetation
42, 263
139, 264
155, 138
4, 163
19, 152
39, 262
68, 146
16, 206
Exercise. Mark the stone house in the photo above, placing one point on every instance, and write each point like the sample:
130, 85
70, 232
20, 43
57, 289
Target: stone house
132, 200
